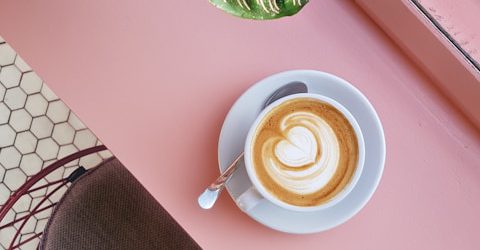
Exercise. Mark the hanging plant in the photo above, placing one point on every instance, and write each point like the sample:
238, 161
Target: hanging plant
260, 9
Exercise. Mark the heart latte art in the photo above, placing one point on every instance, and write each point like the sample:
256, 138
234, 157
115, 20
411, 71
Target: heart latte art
305, 152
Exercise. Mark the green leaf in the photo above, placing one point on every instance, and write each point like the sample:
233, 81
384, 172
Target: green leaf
260, 9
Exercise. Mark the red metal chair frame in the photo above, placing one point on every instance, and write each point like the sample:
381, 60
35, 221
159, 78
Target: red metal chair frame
25, 189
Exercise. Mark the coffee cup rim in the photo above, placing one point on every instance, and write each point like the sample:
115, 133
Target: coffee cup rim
338, 197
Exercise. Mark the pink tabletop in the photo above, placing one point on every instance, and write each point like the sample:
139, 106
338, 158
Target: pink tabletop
155, 79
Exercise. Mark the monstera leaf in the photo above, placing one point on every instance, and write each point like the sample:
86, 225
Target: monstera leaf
260, 9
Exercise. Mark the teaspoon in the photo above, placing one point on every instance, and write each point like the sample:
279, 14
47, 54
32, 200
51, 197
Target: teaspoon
208, 198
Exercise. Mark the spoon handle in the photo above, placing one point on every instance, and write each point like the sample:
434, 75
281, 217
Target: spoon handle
219, 183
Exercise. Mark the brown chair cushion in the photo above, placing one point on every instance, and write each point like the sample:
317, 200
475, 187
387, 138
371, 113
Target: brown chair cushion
107, 208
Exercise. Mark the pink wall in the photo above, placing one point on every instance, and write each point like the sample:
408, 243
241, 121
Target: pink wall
460, 20
431, 51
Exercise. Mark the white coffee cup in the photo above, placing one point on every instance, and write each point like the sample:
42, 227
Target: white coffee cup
250, 198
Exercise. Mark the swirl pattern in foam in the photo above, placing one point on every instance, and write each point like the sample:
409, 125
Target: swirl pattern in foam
306, 158
305, 151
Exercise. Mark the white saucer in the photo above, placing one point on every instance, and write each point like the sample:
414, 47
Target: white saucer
245, 110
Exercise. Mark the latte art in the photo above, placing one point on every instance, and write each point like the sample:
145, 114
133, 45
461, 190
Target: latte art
298, 148
305, 152
305, 155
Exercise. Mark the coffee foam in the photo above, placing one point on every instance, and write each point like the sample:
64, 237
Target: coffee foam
308, 154
305, 151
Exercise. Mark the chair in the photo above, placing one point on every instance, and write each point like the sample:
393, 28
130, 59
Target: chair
104, 208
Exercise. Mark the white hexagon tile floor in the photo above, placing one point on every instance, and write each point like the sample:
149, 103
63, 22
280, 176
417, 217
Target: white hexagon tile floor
36, 129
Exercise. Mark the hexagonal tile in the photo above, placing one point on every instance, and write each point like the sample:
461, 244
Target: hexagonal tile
18, 215
10, 76
57, 111
47, 149
84, 139
41, 192
7, 54
7, 134
29, 227
48, 93
14, 178
27, 234
31, 83
56, 175
4, 193
90, 160
48, 163
10, 157
2, 174
63, 133
75, 122
20, 120
4, 113
15, 98
36, 105
105, 154
21, 64
26, 142
2, 92
67, 150
31, 244
31, 164
10, 216
58, 195
22, 204
41, 224
35, 202
42, 127
6, 235
46, 213
68, 171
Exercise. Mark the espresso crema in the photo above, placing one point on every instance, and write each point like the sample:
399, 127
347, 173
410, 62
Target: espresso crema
304, 152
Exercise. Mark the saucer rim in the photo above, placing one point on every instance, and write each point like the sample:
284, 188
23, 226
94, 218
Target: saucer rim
378, 130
